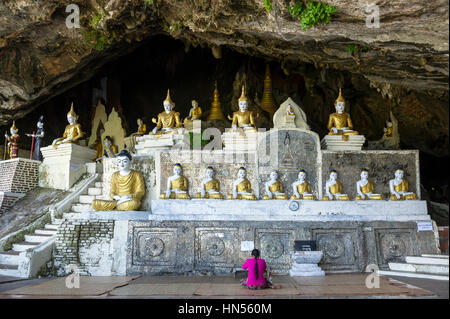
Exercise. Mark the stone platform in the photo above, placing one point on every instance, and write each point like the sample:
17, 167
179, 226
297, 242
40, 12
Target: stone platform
343, 143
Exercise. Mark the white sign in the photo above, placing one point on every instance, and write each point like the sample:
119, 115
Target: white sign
247, 245
424, 226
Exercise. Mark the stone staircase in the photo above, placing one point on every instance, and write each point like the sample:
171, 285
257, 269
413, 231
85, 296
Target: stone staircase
425, 266
85, 201
9, 260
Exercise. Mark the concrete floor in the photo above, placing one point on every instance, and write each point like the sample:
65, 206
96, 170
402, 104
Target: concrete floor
332, 286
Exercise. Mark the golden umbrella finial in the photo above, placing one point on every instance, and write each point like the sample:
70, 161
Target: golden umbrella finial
72, 112
168, 99
243, 97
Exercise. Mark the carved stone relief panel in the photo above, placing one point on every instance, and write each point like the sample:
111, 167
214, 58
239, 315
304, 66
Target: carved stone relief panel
154, 246
275, 246
216, 247
393, 245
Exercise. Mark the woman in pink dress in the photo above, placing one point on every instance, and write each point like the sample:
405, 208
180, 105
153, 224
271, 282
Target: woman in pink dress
256, 267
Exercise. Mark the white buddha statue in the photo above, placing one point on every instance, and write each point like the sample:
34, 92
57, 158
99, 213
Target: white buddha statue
242, 188
365, 188
168, 122
399, 187
177, 185
274, 188
210, 186
340, 123
243, 119
334, 189
301, 188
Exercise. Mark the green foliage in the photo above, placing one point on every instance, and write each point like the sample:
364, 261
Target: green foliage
268, 5
364, 48
95, 20
313, 14
96, 39
148, 3
351, 48
20, 237
191, 140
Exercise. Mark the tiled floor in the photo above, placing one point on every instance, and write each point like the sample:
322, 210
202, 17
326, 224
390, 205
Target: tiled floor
329, 286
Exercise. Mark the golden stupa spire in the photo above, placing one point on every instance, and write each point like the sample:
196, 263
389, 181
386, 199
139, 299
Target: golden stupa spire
168, 99
216, 111
267, 102
14, 127
243, 97
340, 97
72, 112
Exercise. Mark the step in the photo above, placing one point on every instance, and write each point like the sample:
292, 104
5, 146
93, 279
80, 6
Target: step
426, 269
95, 191
37, 238
99, 184
82, 208
104, 197
426, 260
46, 231
24, 246
86, 199
412, 275
9, 270
435, 256
51, 226
9, 257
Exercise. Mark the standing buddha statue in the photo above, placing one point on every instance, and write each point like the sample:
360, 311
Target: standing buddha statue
13, 141
168, 121
72, 132
340, 123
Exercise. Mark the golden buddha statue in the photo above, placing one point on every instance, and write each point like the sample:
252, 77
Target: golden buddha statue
72, 132
195, 113
388, 130
399, 188
210, 186
216, 111
365, 188
301, 188
127, 187
274, 188
168, 121
243, 119
177, 185
242, 188
333, 188
340, 123
142, 128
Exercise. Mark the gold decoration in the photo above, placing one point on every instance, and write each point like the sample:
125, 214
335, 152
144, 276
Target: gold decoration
72, 112
13, 127
216, 111
267, 101
243, 97
168, 99
340, 97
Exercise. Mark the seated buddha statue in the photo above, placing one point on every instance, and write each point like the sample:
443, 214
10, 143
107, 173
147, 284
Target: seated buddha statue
388, 130
168, 121
127, 187
333, 188
195, 113
301, 187
242, 188
109, 149
399, 187
72, 132
177, 185
365, 188
274, 188
142, 128
243, 119
340, 123
210, 187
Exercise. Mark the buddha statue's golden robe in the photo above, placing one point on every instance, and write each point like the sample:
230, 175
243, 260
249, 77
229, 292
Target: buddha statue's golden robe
181, 183
73, 131
388, 132
131, 184
403, 187
243, 118
367, 189
340, 121
142, 129
168, 120
196, 113
336, 189
304, 187
243, 187
212, 185
276, 187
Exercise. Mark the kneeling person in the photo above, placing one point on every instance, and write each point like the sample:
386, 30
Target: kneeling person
127, 187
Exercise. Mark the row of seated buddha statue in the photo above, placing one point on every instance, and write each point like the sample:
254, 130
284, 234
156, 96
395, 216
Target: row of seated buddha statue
177, 187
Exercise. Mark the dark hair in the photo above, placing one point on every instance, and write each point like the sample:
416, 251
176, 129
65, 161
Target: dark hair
255, 253
125, 153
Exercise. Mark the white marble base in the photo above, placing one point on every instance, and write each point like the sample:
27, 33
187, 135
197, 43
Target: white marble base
146, 144
62, 167
211, 209
337, 143
305, 263
237, 141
